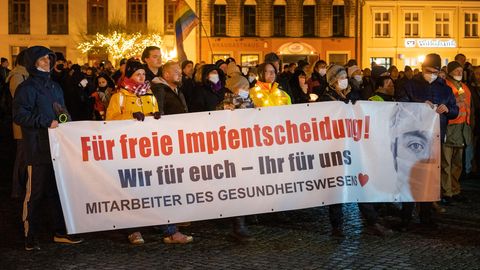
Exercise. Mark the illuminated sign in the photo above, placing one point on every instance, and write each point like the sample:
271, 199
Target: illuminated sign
430, 43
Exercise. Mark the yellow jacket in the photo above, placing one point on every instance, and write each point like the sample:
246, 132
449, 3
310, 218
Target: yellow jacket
123, 104
266, 94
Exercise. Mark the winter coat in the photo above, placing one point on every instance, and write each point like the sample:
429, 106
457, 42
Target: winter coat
169, 102
419, 90
18, 75
33, 107
206, 98
123, 104
187, 88
266, 95
317, 84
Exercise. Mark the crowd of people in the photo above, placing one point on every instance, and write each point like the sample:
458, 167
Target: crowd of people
48, 90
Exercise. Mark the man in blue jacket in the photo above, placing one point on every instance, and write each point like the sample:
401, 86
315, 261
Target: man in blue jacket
38, 105
427, 87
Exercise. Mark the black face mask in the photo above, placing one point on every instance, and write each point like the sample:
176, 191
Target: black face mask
60, 66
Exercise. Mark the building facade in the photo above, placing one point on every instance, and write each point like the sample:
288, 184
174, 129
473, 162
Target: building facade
402, 32
62, 24
294, 29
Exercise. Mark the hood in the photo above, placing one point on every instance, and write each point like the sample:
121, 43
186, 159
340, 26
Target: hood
34, 53
207, 69
110, 82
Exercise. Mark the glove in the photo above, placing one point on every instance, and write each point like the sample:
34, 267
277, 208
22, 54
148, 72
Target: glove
157, 115
139, 116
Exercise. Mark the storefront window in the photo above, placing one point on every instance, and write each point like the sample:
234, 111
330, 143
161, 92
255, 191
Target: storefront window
338, 58
216, 57
249, 60
382, 61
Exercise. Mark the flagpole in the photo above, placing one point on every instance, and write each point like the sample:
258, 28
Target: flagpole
208, 38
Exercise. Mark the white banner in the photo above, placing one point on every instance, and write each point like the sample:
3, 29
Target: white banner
187, 167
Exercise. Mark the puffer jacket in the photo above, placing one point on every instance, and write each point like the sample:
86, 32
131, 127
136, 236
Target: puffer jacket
123, 104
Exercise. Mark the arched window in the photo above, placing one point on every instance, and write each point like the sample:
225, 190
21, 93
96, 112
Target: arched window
220, 18
338, 18
250, 18
309, 18
279, 18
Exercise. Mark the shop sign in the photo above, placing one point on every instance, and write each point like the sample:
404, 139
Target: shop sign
430, 43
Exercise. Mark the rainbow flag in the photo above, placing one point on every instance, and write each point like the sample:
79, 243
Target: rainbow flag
185, 21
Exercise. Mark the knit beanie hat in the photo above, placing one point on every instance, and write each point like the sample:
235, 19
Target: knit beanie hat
333, 72
452, 66
432, 60
237, 81
352, 69
132, 66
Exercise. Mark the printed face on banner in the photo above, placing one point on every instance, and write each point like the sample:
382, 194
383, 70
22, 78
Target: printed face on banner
412, 149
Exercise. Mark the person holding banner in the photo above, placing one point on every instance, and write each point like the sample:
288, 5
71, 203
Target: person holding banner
38, 105
427, 87
135, 100
237, 97
339, 90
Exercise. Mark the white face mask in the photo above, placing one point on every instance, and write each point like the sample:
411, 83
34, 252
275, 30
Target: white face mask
243, 93
343, 84
251, 79
430, 77
42, 70
358, 78
322, 71
457, 78
214, 78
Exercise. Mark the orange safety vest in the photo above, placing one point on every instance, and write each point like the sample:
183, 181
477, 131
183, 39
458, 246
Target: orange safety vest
463, 103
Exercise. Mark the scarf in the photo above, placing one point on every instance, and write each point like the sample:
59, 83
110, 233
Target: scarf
133, 87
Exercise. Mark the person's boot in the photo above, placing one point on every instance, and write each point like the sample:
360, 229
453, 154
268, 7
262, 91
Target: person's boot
240, 231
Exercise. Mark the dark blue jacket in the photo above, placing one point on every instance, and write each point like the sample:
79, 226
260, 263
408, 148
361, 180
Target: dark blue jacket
33, 107
419, 90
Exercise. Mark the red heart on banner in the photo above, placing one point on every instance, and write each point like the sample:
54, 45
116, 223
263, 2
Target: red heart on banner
363, 179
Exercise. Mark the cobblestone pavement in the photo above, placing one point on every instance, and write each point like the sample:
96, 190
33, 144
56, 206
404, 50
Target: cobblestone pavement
291, 240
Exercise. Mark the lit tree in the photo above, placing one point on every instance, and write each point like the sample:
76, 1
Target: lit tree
120, 44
